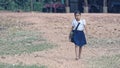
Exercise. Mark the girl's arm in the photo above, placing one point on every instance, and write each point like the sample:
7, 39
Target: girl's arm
86, 29
71, 28
86, 32
70, 33
85, 26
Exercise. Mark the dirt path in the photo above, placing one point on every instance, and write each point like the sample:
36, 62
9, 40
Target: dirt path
56, 29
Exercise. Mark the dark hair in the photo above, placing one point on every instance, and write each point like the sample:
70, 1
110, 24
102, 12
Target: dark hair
77, 12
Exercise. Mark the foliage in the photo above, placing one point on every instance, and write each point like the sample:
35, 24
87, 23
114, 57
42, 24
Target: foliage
24, 5
37, 6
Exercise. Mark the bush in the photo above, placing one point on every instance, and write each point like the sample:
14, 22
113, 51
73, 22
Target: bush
1, 8
37, 6
12, 6
23, 5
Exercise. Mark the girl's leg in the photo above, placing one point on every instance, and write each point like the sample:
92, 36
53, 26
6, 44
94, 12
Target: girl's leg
80, 50
76, 49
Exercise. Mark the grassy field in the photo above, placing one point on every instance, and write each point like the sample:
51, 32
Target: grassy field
105, 62
14, 39
22, 41
20, 66
104, 42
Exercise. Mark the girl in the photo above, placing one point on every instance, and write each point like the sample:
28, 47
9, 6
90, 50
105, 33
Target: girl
78, 26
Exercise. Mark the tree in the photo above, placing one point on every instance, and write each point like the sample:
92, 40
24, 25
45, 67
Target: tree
67, 6
24, 5
105, 6
3, 4
86, 6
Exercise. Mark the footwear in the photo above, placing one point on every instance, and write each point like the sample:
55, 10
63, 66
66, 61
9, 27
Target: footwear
77, 58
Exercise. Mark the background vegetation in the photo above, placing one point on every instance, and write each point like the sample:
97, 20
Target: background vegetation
22, 5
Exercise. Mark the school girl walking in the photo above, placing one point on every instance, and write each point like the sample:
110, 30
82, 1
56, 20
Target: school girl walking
79, 39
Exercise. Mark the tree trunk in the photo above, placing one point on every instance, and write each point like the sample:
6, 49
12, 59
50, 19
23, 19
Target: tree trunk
85, 6
104, 2
62, 1
31, 5
105, 6
67, 6
86, 2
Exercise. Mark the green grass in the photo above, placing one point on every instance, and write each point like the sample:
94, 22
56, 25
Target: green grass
21, 41
103, 42
105, 62
14, 39
20, 66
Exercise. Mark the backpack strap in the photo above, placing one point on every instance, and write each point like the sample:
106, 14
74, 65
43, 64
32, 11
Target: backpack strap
77, 26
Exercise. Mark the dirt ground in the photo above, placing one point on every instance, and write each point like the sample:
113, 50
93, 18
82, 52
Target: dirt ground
56, 28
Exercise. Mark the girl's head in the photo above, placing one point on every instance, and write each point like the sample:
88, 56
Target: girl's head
77, 15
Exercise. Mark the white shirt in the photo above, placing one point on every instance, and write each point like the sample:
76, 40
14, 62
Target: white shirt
81, 26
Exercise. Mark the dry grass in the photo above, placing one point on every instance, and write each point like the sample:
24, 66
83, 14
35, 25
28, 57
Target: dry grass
14, 39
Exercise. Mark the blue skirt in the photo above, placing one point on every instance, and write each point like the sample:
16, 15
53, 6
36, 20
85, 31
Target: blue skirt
79, 38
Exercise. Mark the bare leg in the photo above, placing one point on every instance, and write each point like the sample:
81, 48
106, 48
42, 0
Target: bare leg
76, 49
80, 50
